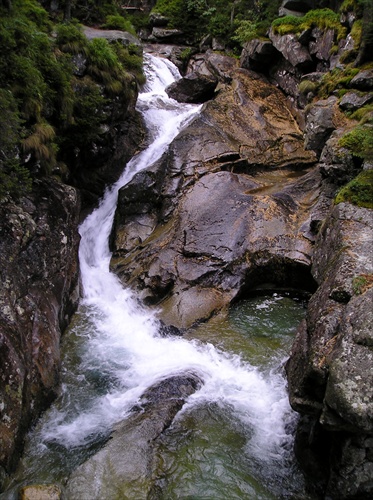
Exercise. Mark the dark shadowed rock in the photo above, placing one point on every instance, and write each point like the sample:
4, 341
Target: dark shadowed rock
292, 50
158, 20
296, 6
258, 54
125, 467
321, 44
193, 88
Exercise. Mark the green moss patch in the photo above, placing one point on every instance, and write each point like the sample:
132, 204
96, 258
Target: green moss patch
359, 191
319, 18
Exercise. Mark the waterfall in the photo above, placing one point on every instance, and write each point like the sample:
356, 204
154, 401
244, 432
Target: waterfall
119, 353
122, 338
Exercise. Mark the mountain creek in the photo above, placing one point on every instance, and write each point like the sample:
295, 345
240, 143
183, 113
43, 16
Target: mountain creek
204, 330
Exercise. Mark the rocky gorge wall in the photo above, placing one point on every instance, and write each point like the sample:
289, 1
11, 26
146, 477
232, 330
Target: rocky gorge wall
39, 292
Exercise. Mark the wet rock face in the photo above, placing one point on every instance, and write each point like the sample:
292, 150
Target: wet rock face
125, 467
39, 275
198, 227
330, 367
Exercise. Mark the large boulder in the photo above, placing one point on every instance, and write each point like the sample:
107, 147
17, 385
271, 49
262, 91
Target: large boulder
112, 36
126, 466
363, 80
39, 293
189, 230
352, 101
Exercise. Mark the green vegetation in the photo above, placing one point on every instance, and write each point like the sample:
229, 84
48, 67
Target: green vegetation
234, 21
362, 283
336, 80
319, 18
118, 22
360, 141
307, 86
359, 191
48, 110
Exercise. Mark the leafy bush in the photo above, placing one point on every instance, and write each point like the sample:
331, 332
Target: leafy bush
359, 191
70, 39
363, 114
229, 21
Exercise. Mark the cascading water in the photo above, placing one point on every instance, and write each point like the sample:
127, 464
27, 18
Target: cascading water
118, 352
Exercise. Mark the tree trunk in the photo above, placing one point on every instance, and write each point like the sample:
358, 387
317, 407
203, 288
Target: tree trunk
67, 12
366, 47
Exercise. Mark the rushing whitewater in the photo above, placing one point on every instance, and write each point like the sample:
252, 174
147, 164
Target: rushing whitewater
118, 352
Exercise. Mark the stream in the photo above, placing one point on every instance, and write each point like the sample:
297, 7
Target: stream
233, 438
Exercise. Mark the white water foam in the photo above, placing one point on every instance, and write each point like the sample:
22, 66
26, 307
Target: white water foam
122, 338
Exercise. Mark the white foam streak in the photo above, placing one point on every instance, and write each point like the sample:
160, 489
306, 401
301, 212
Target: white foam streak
124, 339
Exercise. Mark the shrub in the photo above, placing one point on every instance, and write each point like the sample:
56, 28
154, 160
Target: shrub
119, 23
359, 191
70, 39
131, 58
336, 79
307, 86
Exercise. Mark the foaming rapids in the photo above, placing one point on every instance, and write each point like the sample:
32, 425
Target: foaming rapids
120, 350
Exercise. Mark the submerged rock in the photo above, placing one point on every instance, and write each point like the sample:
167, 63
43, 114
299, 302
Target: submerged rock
125, 467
